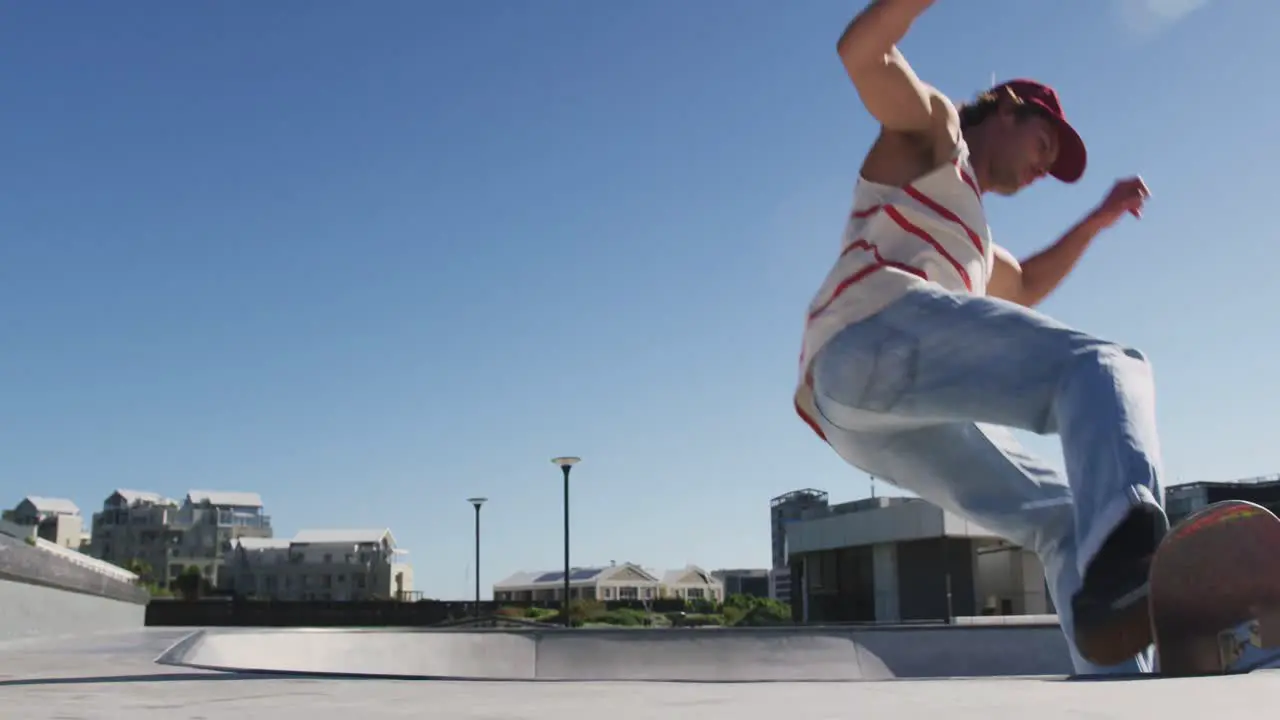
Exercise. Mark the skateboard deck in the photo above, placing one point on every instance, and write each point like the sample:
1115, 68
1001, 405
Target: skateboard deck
1215, 591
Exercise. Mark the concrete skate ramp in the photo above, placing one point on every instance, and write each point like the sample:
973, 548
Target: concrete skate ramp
43, 593
693, 655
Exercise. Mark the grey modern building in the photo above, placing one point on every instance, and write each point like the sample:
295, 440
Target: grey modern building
783, 510
753, 582
1182, 500
895, 559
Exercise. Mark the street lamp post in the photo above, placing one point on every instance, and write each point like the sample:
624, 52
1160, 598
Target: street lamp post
566, 464
477, 502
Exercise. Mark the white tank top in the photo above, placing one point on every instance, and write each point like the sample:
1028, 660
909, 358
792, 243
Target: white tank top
933, 230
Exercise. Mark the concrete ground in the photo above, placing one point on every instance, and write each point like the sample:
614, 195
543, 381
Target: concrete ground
114, 675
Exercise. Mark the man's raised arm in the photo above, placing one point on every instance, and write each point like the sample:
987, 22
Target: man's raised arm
886, 83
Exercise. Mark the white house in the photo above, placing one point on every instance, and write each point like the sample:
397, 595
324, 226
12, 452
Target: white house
626, 581
57, 520
320, 565
692, 583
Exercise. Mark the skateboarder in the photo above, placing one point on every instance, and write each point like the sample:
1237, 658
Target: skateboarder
921, 351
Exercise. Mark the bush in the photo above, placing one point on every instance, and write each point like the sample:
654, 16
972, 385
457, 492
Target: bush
698, 620
624, 617
746, 611
586, 609
538, 613
702, 607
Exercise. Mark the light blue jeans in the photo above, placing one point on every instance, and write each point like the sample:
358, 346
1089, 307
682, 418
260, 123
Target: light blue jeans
921, 394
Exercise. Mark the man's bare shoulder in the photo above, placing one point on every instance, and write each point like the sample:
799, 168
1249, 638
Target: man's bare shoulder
944, 135
897, 158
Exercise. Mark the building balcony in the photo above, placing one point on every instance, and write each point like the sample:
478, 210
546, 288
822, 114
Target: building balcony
257, 521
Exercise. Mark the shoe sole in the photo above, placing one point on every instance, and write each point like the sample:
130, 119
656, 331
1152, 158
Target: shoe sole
1119, 637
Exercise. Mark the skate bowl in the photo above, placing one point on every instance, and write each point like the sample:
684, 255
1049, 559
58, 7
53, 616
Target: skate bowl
792, 654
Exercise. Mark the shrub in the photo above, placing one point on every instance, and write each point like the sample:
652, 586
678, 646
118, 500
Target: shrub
624, 617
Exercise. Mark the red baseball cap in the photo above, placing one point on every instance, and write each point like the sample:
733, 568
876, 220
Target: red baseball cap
1072, 157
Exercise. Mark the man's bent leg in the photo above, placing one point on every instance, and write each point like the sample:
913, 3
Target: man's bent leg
982, 473
937, 357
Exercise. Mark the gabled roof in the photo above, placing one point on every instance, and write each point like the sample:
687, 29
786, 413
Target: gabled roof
524, 578
342, 537
619, 573
689, 575
52, 505
577, 576
133, 497
225, 498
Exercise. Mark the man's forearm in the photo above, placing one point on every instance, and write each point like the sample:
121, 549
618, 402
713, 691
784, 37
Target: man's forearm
1044, 271
874, 32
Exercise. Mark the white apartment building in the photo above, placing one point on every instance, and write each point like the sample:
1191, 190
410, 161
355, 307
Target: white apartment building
167, 536
336, 565
627, 581
56, 520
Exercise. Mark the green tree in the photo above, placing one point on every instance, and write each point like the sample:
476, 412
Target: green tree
141, 568
190, 584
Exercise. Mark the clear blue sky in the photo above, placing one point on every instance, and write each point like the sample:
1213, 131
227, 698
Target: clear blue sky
369, 259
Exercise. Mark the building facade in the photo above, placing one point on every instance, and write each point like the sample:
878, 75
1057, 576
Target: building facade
325, 565
626, 581
752, 582
1182, 500
164, 536
783, 510
55, 519
903, 559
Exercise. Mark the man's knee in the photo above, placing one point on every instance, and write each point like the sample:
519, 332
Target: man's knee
1113, 358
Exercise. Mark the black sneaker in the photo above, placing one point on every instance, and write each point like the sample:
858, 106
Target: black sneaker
1111, 611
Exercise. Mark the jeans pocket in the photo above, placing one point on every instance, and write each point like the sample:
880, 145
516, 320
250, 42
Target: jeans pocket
867, 366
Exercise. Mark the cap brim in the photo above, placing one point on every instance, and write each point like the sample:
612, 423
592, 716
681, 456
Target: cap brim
1072, 157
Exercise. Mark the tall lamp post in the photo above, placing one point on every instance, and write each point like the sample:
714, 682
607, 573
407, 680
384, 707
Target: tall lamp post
477, 502
566, 464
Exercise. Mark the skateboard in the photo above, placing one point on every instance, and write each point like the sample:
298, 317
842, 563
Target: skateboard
1215, 591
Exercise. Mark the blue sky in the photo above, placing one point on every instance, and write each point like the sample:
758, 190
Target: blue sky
369, 259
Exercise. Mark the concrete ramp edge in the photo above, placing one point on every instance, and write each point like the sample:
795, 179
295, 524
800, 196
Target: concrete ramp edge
680, 655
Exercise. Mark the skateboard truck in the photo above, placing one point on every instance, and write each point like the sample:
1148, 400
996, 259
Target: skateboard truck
1261, 632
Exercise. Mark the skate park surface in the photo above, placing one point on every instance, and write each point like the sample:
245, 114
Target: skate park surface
139, 673
85, 654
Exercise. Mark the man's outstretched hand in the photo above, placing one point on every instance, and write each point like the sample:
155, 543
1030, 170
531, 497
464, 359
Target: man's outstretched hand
1126, 196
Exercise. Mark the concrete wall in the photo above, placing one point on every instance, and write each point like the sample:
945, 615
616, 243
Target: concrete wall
1011, 578
43, 593
914, 519
35, 610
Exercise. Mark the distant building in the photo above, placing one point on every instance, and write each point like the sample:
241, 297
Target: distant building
903, 559
783, 510
750, 582
167, 536
1182, 500
691, 583
893, 559
338, 565
54, 519
626, 581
